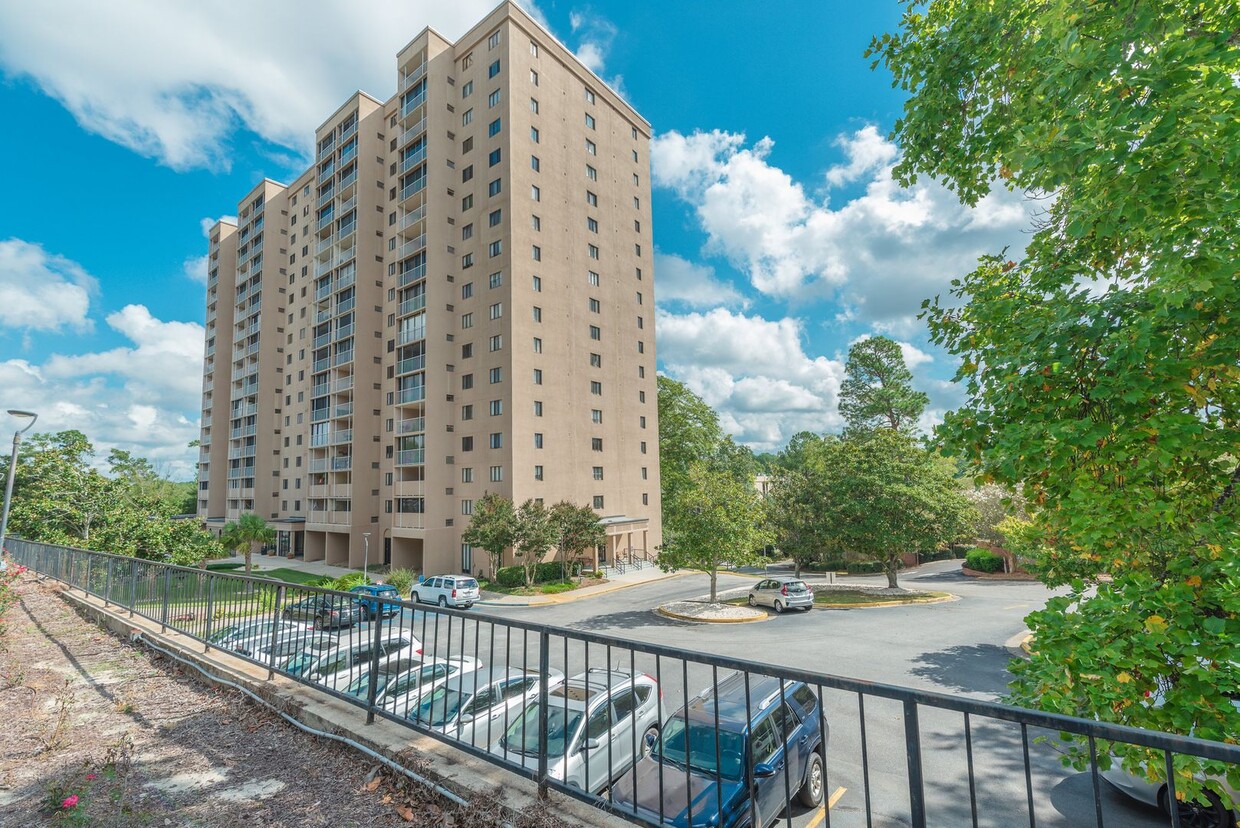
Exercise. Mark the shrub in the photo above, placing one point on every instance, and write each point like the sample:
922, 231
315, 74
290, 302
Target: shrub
510, 576
868, 567
402, 579
345, 582
983, 560
935, 555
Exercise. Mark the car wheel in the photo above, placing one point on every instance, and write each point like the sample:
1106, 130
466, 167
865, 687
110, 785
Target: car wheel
415, 599
1195, 814
443, 601
811, 791
753, 602
779, 606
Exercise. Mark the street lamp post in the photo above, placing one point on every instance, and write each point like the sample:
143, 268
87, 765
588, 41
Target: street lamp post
8, 486
365, 555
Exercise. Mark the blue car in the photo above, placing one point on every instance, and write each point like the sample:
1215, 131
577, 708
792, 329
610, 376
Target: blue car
697, 775
370, 597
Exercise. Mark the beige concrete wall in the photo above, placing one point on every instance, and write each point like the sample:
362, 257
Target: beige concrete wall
217, 370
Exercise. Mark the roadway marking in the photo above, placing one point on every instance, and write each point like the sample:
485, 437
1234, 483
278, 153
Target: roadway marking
822, 812
1015, 606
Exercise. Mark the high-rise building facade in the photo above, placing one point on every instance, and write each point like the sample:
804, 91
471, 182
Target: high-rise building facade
456, 298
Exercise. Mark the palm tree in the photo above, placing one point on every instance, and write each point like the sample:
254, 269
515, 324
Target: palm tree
245, 533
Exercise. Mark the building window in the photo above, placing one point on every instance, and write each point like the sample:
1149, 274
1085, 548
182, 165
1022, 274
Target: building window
590, 122
596, 333
495, 279
467, 475
536, 223
533, 77
639, 297
497, 440
493, 40
496, 342
591, 199
467, 381
467, 202
596, 416
538, 378
467, 350
467, 558
643, 446
467, 89
534, 52
495, 187
467, 507
596, 360
538, 439
593, 251
495, 375
593, 278
598, 501
495, 248
534, 134
538, 284
538, 472
595, 306
591, 173
494, 157
591, 147
596, 388
536, 253
596, 443
467, 117
640, 323
643, 472
537, 314
467, 321
467, 444
497, 310
538, 408
493, 69
641, 347
467, 412
591, 224
535, 164
645, 499
497, 474
641, 396
537, 345
589, 96
467, 173
535, 193
534, 105
467, 232
494, 127
598, 472
467, 261
641, 371
497, 408
496, 216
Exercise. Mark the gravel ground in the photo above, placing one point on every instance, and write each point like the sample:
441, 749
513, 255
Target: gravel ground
139, 742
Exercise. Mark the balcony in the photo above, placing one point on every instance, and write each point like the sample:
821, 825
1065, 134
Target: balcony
322, 267
349, 131
406, 366
342, 463
344, 435
413, 189
412, 160
327, 145
343, 357
318, 464
412, 425
325, 220
347, 152
412, 217
342, 384
411, 457
346, 305
346, 279
412, 275
411, 395
412, 132
344, 332
327, 194
327, 172
237, 452
324, 244
344, 410
410, 106
318, 415
322, 339
413, 77
412, 246
348, 181
347, 228
409, 520
412, 335
348, 205
323, 290
246, 431
322, 364
244, 410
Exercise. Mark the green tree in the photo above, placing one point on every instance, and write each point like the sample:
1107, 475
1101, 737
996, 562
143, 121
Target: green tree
881, 495
689, 432
492, 527
245, 533
534, 535
877, 391
720, 522
794, 511
1101, 364
59, 497
577, 529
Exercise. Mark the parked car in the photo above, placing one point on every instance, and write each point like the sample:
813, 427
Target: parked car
781, 592
227, 638
447, 591
702, 776
373, 600
598, 724
325, 611
404, 691
339, 666
476, 708
286, 645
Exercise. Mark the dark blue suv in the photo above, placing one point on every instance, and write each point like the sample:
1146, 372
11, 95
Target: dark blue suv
369, 596
697, 774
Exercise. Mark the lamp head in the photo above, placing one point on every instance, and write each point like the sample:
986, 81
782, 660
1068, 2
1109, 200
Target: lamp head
17, 412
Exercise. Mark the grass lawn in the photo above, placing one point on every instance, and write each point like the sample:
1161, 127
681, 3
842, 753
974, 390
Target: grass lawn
861, 597
549, 588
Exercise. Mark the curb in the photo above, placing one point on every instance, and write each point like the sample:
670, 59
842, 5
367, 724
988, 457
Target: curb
678, 617
570, 598
945, 599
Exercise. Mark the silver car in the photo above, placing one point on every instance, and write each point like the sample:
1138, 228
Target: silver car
447, 591
477, 708
780, 593
598, 724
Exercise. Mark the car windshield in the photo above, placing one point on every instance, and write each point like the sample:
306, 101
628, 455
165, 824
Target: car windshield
440, 707
388, 592
237, 631
299, 665
360, 686
701, 754
522, 735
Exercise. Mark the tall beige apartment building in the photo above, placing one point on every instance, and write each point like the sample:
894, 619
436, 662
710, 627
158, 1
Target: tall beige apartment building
456, 298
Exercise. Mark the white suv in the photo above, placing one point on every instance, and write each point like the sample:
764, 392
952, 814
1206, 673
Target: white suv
598, 724
447, 591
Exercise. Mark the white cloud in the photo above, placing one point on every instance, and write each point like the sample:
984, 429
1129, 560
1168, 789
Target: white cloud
754, 372
681, 281
879, 254
595, 36
195, 268
143, 398
42, 291
174, 81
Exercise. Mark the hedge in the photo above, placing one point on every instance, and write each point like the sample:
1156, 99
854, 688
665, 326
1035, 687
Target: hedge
514, 576
983, 560
869, 567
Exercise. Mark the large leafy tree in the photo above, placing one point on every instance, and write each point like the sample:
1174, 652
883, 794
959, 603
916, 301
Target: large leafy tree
877, 391
794, 512
1101, 365
534, 535
689, 432
882, 494
720, 522
577, 529
492, 527
245, 533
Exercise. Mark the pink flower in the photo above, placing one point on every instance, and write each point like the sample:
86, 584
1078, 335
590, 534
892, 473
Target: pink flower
70, 802
92, 776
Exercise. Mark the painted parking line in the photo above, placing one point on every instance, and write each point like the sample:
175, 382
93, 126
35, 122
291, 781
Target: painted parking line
822, 812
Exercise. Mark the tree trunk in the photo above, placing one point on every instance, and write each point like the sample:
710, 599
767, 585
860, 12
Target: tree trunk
796, 563
893, 567
249, 550
714, 576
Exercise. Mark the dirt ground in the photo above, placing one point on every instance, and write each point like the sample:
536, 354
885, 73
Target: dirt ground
140, 742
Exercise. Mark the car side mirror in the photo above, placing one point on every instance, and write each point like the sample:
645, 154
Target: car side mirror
762, 770
466, 718
650, 740
588, 744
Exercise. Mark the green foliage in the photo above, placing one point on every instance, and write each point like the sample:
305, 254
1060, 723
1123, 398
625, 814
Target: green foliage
877, 390
689, 433
403, 579
868, 567
1101, 366
578, 530
346, 582
794, 510
995, 506
245, 533
545, 573
720, 521
535, 534
492, 528
983, 560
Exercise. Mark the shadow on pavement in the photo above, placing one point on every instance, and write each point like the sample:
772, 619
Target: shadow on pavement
1075, 795
978, 668
627, 620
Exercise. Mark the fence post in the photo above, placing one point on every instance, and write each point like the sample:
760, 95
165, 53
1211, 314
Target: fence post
372, 688
133, 586
90, 567
210, 609
544, 664
275, 628
163, 616
107, 584
916, 782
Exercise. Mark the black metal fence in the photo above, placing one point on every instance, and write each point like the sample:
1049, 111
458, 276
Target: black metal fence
657, 735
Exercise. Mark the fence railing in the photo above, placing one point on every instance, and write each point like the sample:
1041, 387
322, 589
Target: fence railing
654, 734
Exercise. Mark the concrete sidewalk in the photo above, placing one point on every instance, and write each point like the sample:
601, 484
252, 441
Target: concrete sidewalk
645, 575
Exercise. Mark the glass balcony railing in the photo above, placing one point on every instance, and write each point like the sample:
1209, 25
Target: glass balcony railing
411, 457
348, 181
342, 463
411, 305
412, 275
343, 357
406, 366
412, 160
412, 132
413, 189
412, 246
412, 104
347, 152
412, 425
411, 335
413, 77
408, 395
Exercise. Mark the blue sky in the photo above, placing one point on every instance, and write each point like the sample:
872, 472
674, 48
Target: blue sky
780, 236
